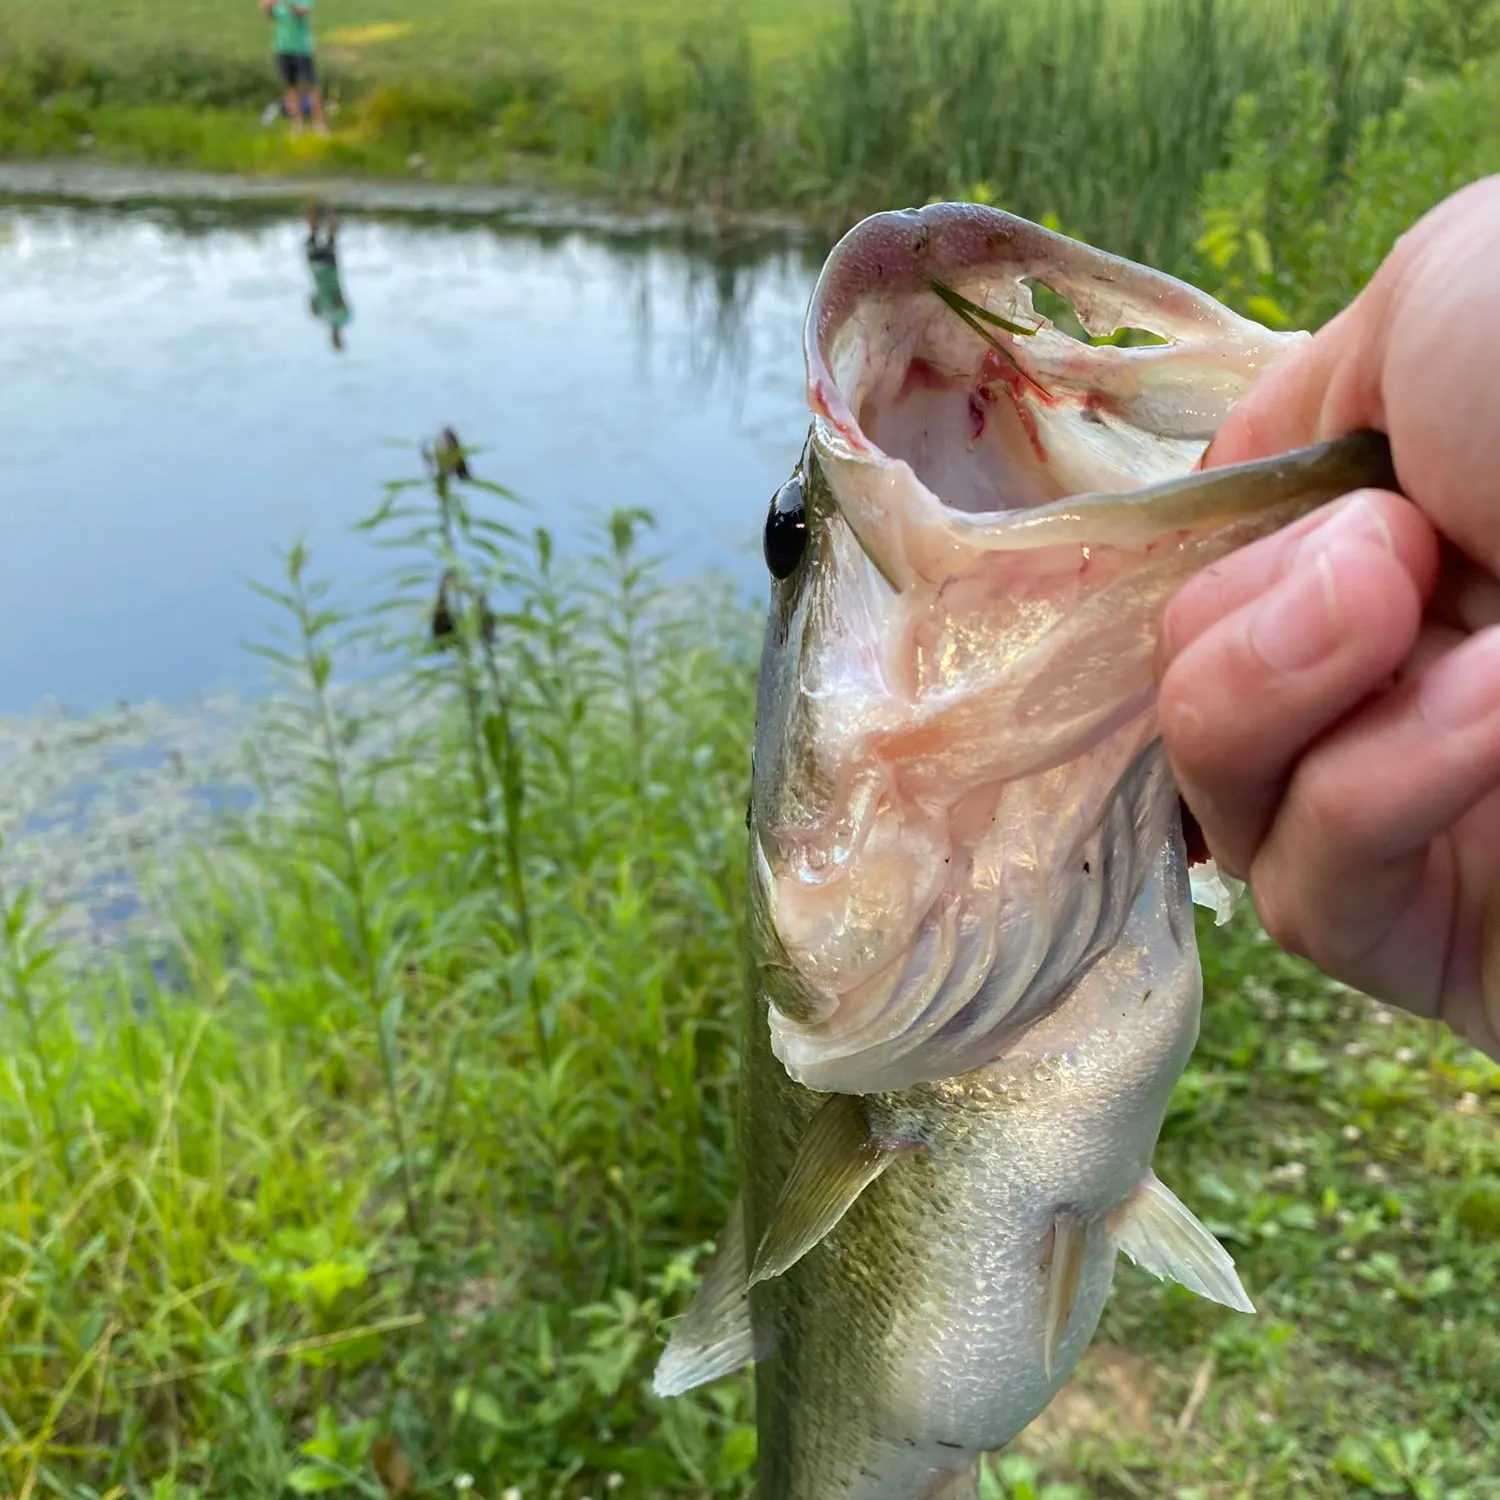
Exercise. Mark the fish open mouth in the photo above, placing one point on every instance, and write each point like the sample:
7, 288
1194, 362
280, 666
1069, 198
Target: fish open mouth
960, 794
926, 351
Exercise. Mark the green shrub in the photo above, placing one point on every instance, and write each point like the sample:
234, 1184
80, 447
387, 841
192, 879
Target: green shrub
409, 113
1290, 240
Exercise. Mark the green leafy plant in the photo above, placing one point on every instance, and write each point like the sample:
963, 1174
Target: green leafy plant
304, 1199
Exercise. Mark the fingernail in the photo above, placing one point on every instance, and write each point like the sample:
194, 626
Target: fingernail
1297, 623
1463, 688
1358, 519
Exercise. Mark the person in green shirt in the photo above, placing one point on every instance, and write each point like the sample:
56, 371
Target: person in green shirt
293, 42
328, 303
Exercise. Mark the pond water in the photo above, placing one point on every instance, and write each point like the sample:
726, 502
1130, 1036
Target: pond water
171, 412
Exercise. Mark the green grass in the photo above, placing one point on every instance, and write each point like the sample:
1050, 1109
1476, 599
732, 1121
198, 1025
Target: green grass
403, 1131
387, 1167
1107, 115
454, 39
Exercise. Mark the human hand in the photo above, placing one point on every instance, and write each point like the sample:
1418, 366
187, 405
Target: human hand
1330, 696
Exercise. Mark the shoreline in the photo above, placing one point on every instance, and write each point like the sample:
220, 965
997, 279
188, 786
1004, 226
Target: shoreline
92, 184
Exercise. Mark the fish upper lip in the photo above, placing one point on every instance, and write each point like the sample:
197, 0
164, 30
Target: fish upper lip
905, 249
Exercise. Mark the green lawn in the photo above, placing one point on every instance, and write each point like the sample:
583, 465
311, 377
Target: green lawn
453, 39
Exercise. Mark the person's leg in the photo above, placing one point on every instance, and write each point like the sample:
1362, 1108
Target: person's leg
290, 69
315, 94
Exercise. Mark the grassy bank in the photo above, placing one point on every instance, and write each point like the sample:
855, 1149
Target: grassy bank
381, 1175
1107, 115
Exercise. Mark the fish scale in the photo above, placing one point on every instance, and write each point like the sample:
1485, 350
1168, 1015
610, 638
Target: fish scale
974, 979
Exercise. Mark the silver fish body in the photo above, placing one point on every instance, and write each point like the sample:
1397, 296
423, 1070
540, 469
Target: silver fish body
893, 1352
974, 977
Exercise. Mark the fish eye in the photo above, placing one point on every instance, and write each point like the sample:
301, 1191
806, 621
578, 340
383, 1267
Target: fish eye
786, 528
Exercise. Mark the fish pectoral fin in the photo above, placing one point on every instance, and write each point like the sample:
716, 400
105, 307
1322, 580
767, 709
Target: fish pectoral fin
1069, 1241
837, 1159
1212, 888
713, 1337
1158, 1232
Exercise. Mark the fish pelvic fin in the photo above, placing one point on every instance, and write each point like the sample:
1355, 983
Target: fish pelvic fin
1159, 1233
1064, 1271
837, 1159
713, 1337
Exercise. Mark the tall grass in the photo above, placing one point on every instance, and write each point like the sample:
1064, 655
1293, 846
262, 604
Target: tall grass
1103, 115
1283, 241
424, 1112
380, 1175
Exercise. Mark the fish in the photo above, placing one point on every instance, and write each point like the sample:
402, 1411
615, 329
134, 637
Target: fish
973, 972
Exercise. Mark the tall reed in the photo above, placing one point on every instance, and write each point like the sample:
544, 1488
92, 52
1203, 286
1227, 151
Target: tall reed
1106, 116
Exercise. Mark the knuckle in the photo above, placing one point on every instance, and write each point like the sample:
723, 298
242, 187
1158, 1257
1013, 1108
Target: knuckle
1190, 611
1334, 814
1283, 911
1192, 738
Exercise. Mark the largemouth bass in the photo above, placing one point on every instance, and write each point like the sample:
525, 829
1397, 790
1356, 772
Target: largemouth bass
974, 980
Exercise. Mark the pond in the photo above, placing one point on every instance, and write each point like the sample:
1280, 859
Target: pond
171, 411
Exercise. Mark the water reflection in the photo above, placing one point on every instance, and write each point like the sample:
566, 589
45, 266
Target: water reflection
157, 437
328, 304
719, 297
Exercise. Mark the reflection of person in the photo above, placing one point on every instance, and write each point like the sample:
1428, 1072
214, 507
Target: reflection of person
1330, 696
294, 59
328, 303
